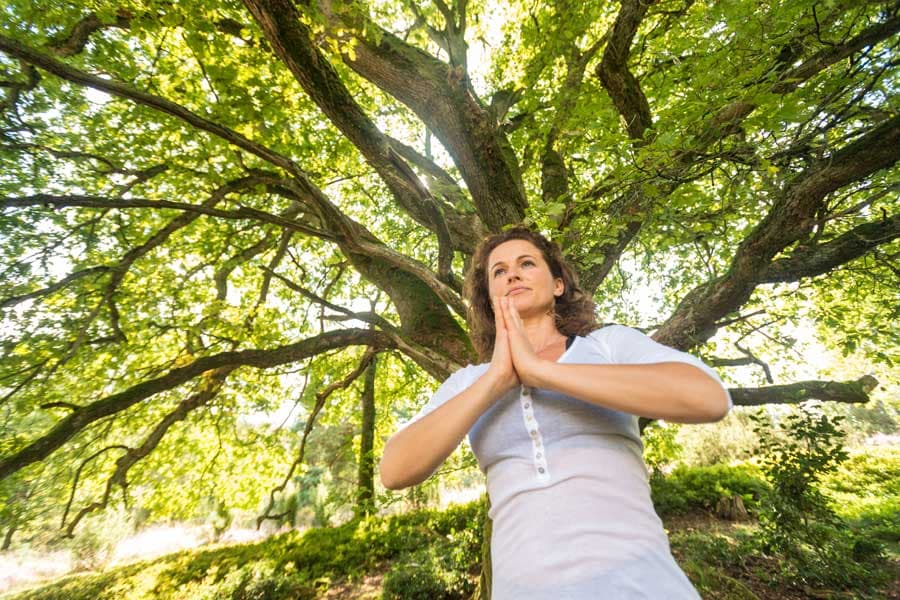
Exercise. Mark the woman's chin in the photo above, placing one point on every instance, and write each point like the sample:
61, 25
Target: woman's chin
528, 310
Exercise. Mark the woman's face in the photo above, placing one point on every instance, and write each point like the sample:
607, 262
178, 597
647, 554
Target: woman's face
517, 269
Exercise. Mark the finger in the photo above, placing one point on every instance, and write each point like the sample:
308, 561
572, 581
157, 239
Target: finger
499, 321
501, 304
512, 316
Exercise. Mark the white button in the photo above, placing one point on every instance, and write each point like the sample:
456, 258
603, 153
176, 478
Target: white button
534, 432
538, 455
527, 405
541, 470
525, 390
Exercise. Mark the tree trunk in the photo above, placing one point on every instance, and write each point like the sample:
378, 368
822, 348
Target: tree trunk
365, 496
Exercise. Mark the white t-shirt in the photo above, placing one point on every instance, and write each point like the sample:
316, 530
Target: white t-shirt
570, 498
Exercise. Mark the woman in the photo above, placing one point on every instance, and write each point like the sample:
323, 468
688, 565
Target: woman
552, 420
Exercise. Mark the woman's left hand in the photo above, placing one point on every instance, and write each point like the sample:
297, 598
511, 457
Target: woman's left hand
525, 361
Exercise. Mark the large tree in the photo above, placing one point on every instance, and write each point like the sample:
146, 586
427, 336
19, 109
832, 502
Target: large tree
196, 195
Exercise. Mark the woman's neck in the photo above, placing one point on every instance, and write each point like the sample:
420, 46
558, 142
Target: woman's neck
541, 332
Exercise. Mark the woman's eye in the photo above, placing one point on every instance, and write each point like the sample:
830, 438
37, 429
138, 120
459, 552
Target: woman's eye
528, 262
498, 271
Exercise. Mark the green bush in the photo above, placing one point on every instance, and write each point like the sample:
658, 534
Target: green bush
660, 447
361, 544
248, 583
797, 521
874, 472
433, 573
690, 488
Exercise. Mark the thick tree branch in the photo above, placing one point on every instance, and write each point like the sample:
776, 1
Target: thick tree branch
723, 123
726, 121
793, 393
241, 213
790, 219
466, 229
78, 37
210, 384
852, 392
620, 83
78, 420
809, 261
435, 364
793, 77
442, 97
290, 39
115, 88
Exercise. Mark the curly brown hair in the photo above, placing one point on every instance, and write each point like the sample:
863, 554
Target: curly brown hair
573, 312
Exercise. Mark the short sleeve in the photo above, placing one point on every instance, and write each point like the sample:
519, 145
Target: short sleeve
452, 386
626, 345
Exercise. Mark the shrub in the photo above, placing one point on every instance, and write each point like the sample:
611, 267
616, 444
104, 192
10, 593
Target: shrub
796, 518
429, 574
688, 488
874, 472
249, 582
660, 447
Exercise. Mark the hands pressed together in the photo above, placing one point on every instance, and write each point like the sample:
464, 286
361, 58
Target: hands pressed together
514, 361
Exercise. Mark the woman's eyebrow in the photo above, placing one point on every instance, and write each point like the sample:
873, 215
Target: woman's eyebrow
500, 262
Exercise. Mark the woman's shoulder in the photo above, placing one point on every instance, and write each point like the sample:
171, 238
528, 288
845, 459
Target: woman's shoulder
607, 330
468, 373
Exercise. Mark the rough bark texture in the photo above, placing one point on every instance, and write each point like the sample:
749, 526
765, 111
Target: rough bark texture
441, 96
620, 83
793, 393
290, 39
809, 261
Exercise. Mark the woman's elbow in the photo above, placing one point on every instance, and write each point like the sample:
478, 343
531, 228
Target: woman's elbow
387, 471
388, 481
719, 407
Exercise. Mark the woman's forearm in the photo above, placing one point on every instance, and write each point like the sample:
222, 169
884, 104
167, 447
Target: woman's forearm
674, 391
415, 452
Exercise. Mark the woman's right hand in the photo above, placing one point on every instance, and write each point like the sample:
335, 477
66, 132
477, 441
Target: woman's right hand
501, 369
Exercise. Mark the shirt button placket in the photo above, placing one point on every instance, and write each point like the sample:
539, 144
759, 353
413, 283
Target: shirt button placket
531, 425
